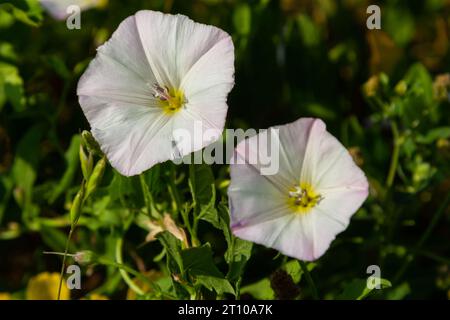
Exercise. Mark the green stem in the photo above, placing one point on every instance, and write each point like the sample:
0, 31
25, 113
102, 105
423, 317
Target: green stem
148, 198
189, 226
145, 193
395, 155
126, 268
410, 257
123, 271
61, 275
309, 279
174, 191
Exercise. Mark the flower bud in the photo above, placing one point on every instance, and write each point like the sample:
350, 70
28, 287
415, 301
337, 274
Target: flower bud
401, 88
89, 142
96, 177
87, 162
77, 206
85, 257
371, 86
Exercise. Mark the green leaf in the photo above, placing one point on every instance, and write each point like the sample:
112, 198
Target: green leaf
209, 213
173, 249
220, 219
237, 257
399, 24
260, 290
153, 179
357, 289
200, 180
310, 33
198, 262
7, 52
294, 269
11, 87
418, 101
321, 111
25, 165
25, 11
71, 157
239, 251
6, 186
219, 285
399, 292
434, 134
126, 190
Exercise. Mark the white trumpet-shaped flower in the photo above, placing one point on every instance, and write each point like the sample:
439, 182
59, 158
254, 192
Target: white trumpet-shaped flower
300, 209
158, 73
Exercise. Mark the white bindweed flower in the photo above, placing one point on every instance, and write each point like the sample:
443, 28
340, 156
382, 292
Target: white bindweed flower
300, 209
158, 74
60, 9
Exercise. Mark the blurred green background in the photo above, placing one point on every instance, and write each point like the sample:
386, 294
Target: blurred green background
383, 93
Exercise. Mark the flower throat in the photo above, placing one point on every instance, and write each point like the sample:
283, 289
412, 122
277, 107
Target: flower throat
303, 198
171, 100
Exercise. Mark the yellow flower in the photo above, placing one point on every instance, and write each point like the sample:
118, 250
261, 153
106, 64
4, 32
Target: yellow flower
5, 296
44, 286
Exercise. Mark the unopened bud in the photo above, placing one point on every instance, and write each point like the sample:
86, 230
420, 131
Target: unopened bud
77, 206
96, 177
90, 143
85, 257
87, 162
384, 79
401, 88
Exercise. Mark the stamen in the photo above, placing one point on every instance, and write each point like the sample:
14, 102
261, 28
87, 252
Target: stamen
303, 198
161, 93
171, 100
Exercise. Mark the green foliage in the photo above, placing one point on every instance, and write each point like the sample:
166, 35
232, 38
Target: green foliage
383, 93
357, 289
198, 263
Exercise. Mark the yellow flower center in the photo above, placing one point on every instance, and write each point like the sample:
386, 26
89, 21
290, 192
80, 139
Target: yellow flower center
302, 198
171, 100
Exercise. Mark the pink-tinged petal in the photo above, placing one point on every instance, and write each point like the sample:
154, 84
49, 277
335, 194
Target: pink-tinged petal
260, 153
292, 235
265, 233
328, 164
310, 155
336, 168
332, 172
